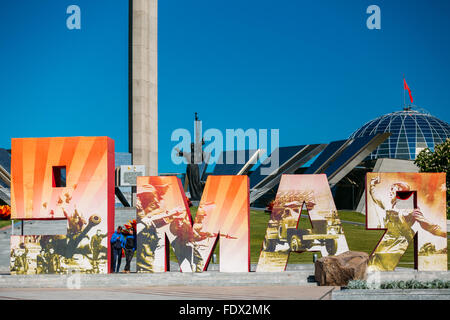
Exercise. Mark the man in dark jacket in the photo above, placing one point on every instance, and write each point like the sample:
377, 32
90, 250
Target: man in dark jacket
130, 247
117, 243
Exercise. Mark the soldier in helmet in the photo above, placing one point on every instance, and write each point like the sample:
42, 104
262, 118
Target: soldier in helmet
97, 248
54, 263
398, 224
150, 205
41, 263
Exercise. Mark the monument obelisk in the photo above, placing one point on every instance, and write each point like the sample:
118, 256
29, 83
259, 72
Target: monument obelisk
143, 113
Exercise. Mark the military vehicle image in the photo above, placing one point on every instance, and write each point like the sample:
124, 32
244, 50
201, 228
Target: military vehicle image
282, 230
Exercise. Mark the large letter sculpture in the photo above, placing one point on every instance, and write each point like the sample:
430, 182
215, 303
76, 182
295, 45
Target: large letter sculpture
411, 207
63, 178
282, 235
163, 217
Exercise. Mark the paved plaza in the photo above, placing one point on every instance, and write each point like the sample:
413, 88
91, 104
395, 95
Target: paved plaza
171, 293
296, 283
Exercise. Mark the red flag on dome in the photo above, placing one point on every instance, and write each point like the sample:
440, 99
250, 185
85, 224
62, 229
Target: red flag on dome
405, 86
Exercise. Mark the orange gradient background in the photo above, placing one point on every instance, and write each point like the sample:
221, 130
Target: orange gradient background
89, 163
227, 213
431, 201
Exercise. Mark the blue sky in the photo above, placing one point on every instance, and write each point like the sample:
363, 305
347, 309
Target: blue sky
311, 69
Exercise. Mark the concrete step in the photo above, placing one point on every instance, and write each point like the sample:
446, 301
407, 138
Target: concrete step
391, 294
406, 274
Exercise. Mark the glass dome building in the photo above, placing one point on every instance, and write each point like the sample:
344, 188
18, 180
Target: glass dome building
411, 131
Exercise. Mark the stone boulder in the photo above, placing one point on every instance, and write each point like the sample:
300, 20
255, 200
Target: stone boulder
339, 270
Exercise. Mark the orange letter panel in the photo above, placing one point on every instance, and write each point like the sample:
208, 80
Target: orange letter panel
63, 178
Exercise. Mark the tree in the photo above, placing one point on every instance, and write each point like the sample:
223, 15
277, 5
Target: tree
437, 161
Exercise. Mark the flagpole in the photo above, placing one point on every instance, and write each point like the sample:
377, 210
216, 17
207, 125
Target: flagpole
404, 97
404, 94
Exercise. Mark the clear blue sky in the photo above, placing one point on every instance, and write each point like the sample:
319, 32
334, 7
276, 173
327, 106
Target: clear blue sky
309, 68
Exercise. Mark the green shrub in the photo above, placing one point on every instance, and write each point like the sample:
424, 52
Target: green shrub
409, 284
413, 284
357, 284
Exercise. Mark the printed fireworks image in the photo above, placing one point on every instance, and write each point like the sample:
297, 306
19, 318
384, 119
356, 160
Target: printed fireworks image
83, 249
78, 194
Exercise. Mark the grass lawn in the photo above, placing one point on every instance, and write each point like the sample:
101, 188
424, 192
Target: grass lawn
358, 238
4, 223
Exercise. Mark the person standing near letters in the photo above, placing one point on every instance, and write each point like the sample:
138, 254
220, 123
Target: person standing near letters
117, 243
130, 248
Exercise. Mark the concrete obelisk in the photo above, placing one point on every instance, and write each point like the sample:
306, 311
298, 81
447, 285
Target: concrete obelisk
143, 121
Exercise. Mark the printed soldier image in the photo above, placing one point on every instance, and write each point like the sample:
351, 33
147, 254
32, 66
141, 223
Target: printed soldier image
62, 178
41, 263
385, 212
161, 214
19, 261
201, 238
54, 261
151, 216
153, 221
150, 205
98, 251
283, 235
58, 253
184, 246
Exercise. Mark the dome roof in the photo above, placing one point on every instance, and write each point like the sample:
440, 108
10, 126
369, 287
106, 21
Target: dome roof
411, 131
